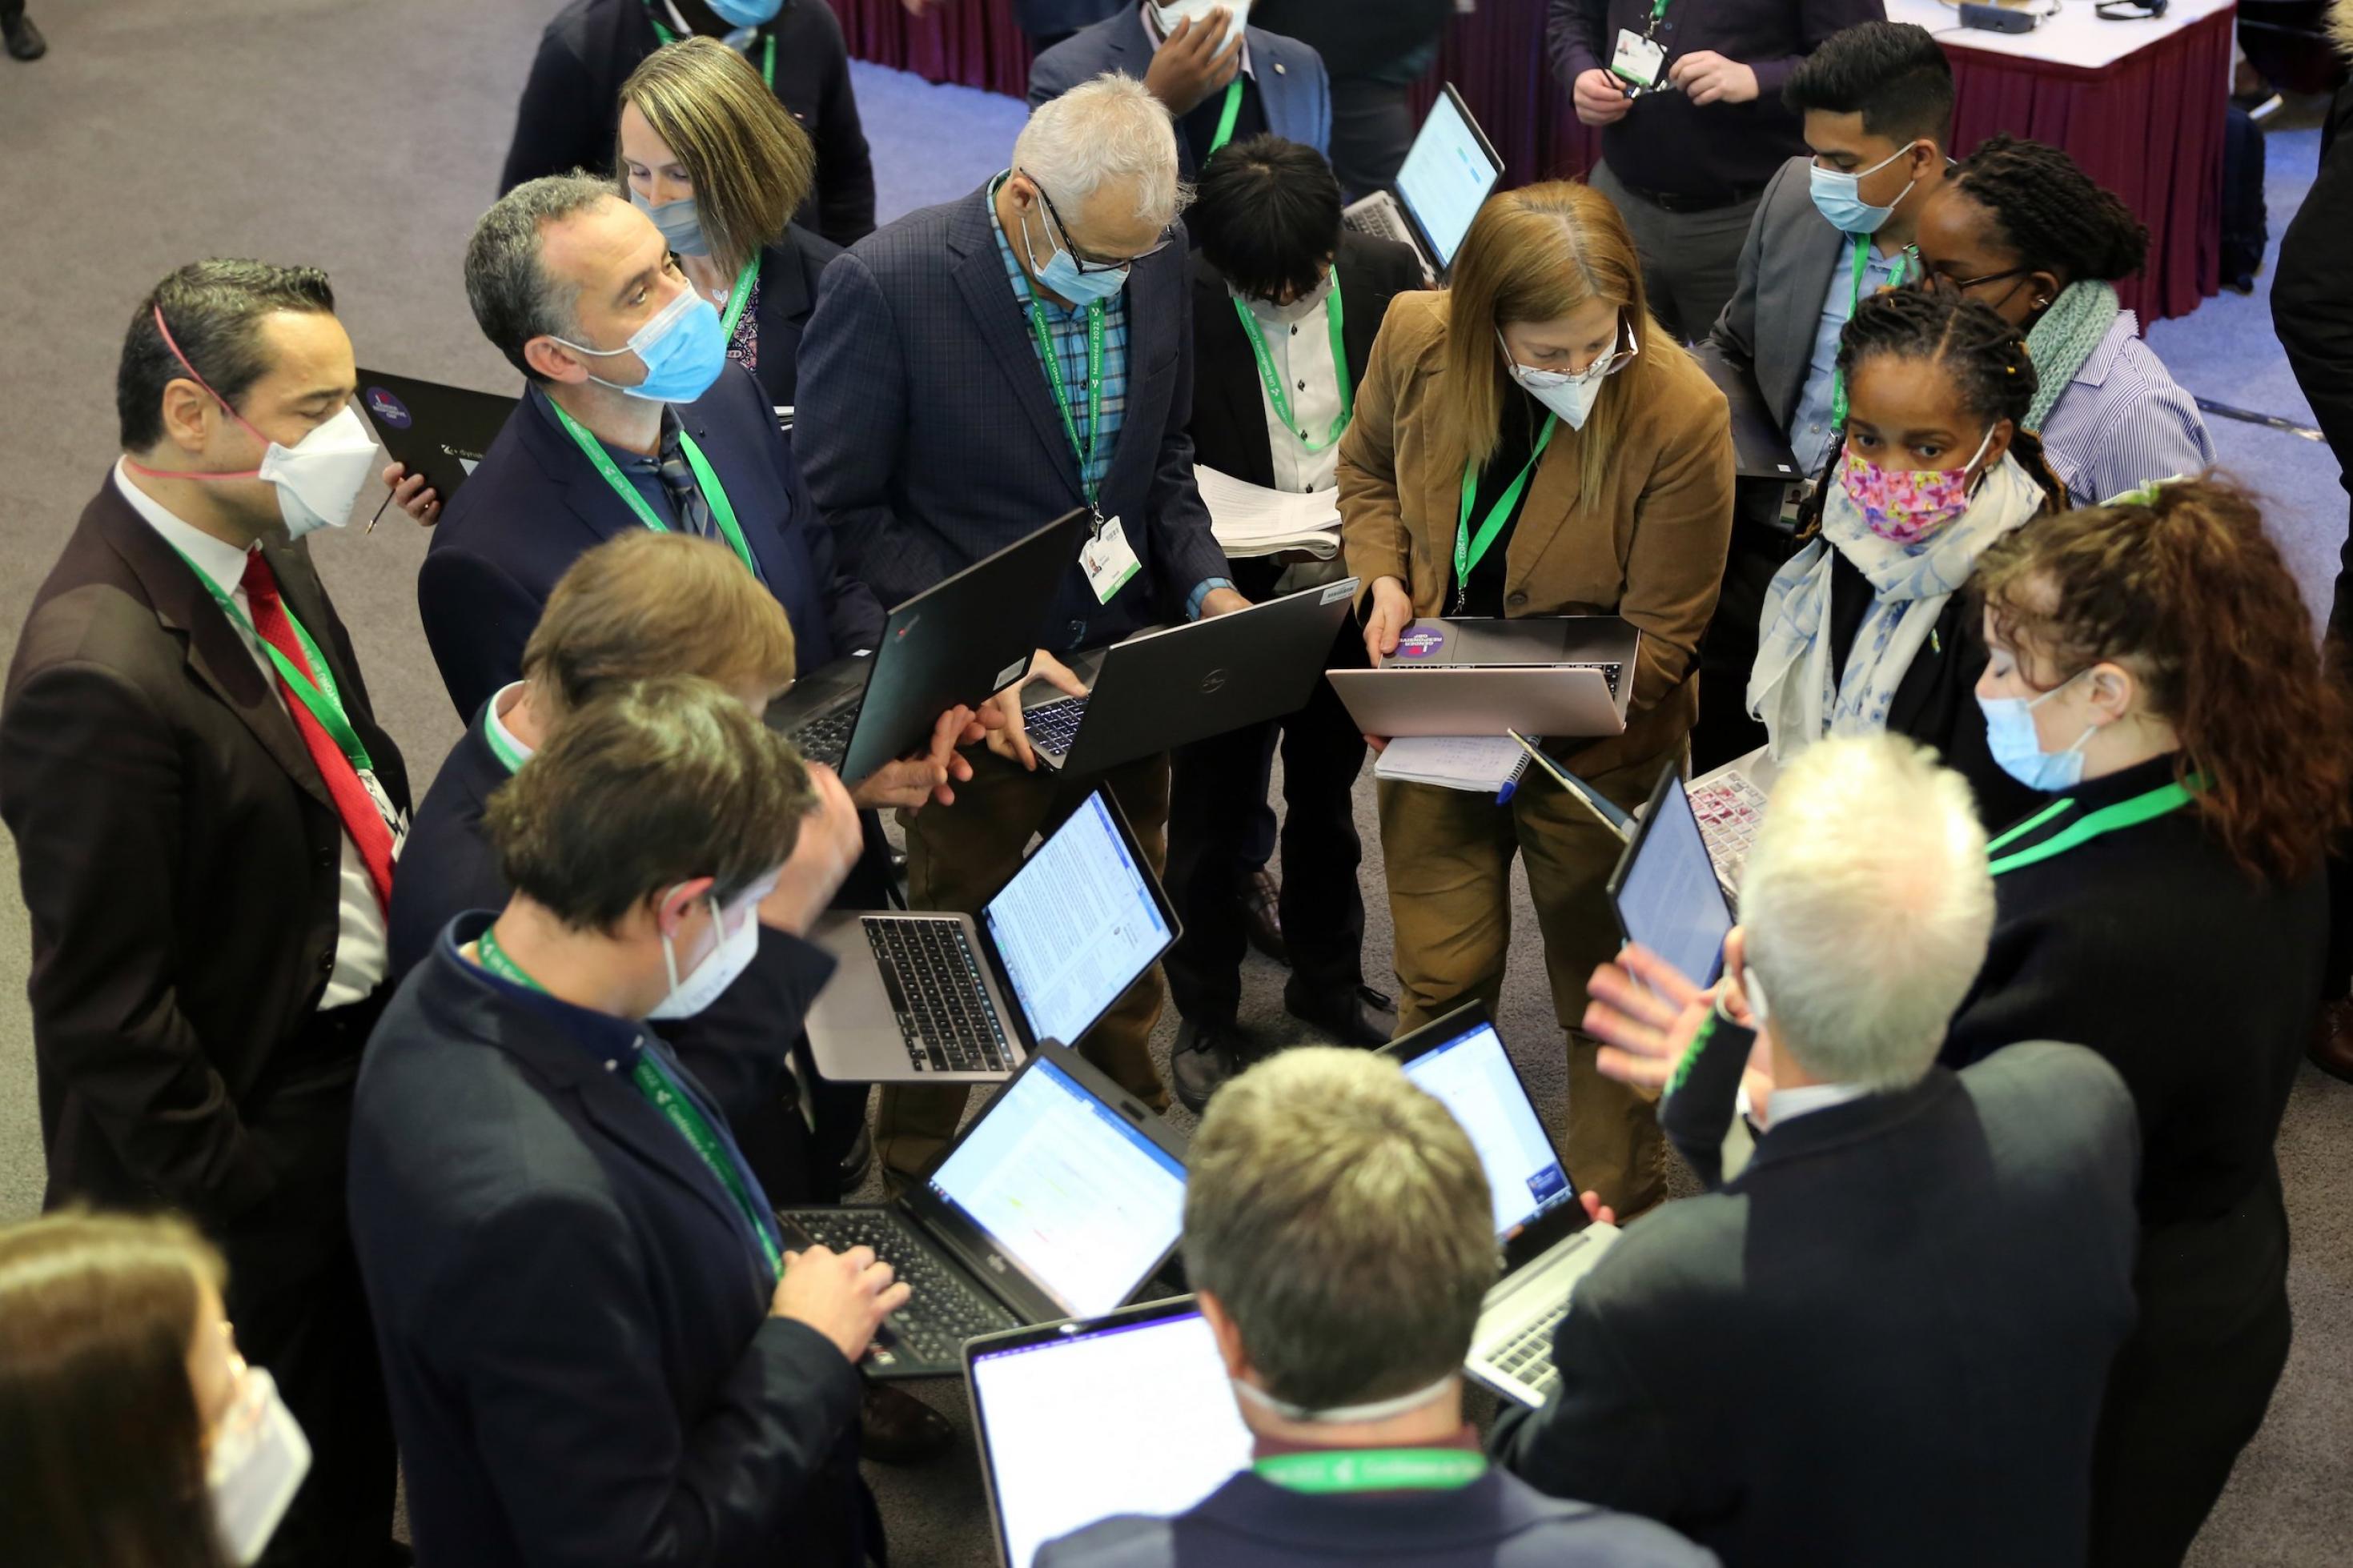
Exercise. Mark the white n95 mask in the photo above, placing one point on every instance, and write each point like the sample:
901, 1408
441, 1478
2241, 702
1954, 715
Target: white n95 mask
258, 1460
715, 973
1175, 11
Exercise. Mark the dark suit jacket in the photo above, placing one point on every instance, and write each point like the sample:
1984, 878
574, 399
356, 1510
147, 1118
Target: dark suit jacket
535, 504
572, 1313
1769, 324
571, 115
181, 860
1045, 18
788, 274
1229, 404
1884, 1342
929, 437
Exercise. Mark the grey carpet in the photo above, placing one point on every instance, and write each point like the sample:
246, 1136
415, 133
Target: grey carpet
366, 139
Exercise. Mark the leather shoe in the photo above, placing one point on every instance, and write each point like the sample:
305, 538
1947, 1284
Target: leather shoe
1207, 1055
2332, 1039
1260, 916
23, 39
1358, 1016
896, 1428
858, 1161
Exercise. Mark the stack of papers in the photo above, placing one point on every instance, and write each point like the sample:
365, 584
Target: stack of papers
1482, 762
1250, 520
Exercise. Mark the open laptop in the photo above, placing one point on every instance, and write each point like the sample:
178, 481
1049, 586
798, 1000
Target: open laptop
1130, 1413
1165, 688
1728, 803
1059, 1199
1548, 1245
1448, 172
928, 997
1541, 675
438, 431
1759, 450
961, 640
1665, 890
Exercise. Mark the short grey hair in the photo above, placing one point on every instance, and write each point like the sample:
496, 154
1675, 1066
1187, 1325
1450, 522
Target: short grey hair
1341, 1217
514, 298
1104, 129
1867, 905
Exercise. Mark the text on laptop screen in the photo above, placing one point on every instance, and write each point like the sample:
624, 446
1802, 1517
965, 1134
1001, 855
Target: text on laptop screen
1069, 1188
1136, 1418
1669, 900
1445, 177
1076, 925
1471, 1076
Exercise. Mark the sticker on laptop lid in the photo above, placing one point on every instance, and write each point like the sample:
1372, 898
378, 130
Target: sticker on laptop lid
1009, 674
1340, 590
1420, 643
384, 406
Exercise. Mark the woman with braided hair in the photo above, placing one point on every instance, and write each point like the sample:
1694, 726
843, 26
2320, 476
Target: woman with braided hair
2019, 227
1864, 628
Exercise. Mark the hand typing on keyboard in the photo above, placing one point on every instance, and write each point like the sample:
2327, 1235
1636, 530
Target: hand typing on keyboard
843, 1296
1007, 736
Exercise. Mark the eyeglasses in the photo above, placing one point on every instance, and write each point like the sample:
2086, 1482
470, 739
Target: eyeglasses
1966, 284
1083, 263
1607, 365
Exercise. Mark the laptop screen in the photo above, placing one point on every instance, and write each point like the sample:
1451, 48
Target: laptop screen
1128, 1418
1446, 174
1668, 900
1076, 925
1471, 1076
1067, 1187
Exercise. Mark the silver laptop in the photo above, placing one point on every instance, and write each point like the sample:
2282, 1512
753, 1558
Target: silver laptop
947, 998
1451, 168
1541, 675
1548, 1244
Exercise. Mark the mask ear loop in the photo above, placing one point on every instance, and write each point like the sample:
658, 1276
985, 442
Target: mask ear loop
267, 443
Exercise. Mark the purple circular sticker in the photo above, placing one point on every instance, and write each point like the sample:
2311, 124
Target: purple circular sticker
1420, 644
384, 406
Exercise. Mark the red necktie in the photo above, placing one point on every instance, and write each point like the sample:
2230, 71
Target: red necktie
357, 808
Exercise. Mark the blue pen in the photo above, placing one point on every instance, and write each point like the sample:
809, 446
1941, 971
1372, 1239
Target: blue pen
1503, 795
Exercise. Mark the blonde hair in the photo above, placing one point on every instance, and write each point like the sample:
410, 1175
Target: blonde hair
752, 164
1536, 254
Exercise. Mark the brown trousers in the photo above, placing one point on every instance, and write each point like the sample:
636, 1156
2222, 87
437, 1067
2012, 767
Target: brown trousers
1449, 853
957, 857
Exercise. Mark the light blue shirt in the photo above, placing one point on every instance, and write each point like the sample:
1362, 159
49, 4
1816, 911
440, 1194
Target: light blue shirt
1811, 429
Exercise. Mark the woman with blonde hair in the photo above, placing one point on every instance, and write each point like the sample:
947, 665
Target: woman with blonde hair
1528, 442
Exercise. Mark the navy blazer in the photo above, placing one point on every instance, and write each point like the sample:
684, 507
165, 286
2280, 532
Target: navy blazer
535, 505
788, 275
1289, 76
931, 440
571, 1311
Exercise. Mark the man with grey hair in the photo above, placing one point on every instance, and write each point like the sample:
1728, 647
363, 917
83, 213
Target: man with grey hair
973, 372
1336, 1226
1887, 1338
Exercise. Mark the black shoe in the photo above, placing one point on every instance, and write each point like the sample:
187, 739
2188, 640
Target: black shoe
858, 1160
895, 1427
1261, 917
1360, 1017
1207, 1055
23, 39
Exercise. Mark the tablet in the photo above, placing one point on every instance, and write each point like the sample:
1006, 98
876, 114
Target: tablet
1665, 890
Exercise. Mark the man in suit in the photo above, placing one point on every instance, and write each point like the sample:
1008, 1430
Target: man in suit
974, 371
1833, 229
205, 817
1223, 82
594, 1347
1887, 1339
570, 114
1276, 271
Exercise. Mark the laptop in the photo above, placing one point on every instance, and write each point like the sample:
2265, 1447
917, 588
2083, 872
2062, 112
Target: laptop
1165, 689
1665, 890
1541, 675
1448, 172
1059, 1199
1759, 450
1130, 1413
1547, 1243
1728, 803
438, 431
944, 646
929, 997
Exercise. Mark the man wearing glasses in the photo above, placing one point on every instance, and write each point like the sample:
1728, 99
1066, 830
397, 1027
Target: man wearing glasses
973, 372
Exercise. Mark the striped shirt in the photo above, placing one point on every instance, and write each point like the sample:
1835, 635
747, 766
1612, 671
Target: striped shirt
1067, 327
2123, 421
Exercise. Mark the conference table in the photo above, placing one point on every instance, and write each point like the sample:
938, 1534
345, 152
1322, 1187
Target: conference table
2140, 104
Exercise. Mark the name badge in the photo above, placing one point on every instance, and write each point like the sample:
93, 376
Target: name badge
385, 809
1638, 60
1108, 561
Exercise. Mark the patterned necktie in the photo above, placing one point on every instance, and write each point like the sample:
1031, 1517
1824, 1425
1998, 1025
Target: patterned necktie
685, 495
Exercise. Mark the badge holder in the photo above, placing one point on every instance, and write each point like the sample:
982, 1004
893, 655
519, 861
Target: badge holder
1639, 62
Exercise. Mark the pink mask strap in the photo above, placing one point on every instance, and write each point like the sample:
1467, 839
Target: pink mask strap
216, 397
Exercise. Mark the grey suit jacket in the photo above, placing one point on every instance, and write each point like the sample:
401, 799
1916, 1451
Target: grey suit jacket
928, 434
1785, 267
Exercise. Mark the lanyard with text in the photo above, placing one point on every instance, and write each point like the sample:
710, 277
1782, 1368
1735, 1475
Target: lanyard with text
740, 298
503, 746
1053, 358
1470, 549
2140, 808
669, 35
1226, 116
1854, 303
325, 703
653, 1081
1374, 1469
1274, 392
714, 494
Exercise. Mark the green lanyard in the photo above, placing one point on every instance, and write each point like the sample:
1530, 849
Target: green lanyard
1854, 303
740, 298
2140, 808
1046, 350
325, 703
1470, 550
1274, 392
503, 746
714, 494
666, 1096
1226, 117
1374, 1469
767, 59
1658, 14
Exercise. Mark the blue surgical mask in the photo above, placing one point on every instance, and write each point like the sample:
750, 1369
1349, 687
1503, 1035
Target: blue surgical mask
2018, 750
746, 13
1060, 273
679, 221
683, 347
1836, 195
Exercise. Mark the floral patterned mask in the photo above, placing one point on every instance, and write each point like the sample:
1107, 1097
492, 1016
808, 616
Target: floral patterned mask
1908, 507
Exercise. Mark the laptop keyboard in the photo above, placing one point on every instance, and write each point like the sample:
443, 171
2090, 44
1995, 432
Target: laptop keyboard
1378, 219
934, 978
827, 740
1055, 725
1526, 1356
942, 1311
1730, 810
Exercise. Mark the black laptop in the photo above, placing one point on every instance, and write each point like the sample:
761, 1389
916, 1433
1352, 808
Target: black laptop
438, 431
1666, 890
1759, 450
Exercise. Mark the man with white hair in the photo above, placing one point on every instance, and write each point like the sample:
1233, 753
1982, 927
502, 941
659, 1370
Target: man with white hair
973, 372
1886, 1340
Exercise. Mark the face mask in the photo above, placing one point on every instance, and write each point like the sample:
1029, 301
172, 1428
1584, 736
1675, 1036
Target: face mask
1168, 15
1753, 989
1308, 304
2018, 749
258, 1459
1061, 275
1836, 195
1907, 506
683, 347
1378, 1410
680, 222
1567, 393
713, 975
746, 13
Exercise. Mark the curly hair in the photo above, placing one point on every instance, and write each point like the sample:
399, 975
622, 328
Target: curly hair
2190, 594
2049, 211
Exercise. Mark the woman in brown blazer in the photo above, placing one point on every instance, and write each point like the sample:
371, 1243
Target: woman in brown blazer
1596, 460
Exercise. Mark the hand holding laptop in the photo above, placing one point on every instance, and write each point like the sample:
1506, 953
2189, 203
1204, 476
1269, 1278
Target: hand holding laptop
1388, 614
844, 1296
1007, 736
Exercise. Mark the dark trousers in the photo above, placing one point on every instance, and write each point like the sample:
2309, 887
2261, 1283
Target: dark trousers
1372, 129
2335, 978
1728, 652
